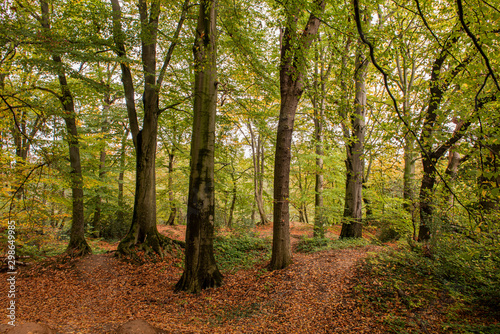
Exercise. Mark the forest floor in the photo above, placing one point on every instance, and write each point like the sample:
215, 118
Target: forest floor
329, 291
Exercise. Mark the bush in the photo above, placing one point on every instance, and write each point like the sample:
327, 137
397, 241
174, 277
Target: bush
311, 245
242, 251
388, 233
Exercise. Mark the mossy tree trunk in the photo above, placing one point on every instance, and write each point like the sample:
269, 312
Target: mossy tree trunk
200, 269
352, 226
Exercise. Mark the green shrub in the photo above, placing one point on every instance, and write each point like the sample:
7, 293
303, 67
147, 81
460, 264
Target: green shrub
311, 245
236, 252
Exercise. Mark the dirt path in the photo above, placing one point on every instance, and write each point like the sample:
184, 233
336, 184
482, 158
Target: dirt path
95, 294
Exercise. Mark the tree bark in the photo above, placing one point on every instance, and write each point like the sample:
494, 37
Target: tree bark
430, 156
200, 269
489, 182
352, 226
318, 102
233, 201
291, 89
120, 215
143, 229
258, 174
77, 246
173, 207
96, 219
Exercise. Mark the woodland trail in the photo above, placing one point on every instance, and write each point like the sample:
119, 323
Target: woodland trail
97, 293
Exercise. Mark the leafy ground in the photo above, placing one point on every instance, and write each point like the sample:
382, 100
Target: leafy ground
343, 289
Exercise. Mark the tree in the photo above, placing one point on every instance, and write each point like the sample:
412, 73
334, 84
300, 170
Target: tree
77, 244
321, 75
143, 229
293, 53
353, 214
200, 269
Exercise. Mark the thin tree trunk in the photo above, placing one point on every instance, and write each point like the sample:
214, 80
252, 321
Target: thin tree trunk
233, 201
173, 208
96, 219
258, 175
77, 246
318, 102
200, 269
120, 215
352, 227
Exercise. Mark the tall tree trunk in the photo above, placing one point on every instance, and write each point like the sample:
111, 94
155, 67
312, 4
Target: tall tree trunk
318, 101
258, 172
430, 156
291, 89
120, 215
352, 226
234, 193
489, 184
200, 269
96, 219
409, 181
143, 229
173, 208
77, 246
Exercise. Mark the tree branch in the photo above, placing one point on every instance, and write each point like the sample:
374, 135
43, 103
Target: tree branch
476, 43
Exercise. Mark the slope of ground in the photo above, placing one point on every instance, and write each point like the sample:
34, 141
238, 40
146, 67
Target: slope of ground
318, 293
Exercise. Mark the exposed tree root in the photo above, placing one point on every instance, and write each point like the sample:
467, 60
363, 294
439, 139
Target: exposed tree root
192, 283
154, 245
78, 248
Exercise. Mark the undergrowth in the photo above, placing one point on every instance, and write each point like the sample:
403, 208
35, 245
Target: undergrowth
311, 245
240, 251
446, 279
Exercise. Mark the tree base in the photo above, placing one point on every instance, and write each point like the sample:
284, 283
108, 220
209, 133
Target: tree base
192, 283
78, 248
351, 230
154, 245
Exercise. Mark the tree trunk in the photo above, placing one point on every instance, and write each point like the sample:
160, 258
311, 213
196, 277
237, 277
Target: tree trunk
430, 156
451, 173
291, 89
77, 244
143, 229
173, 208
489, 184
352, 226
96, 221
258, 174
318, 102
409, 181
200, 269
120, 215
233, 204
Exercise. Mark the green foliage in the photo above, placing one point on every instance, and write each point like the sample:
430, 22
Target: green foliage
240, 251
459, 272
469, 267
311, 245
